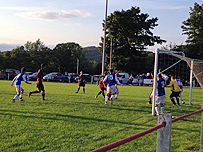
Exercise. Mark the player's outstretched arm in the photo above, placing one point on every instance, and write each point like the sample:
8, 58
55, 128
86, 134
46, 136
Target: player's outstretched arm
28, 82
13, 81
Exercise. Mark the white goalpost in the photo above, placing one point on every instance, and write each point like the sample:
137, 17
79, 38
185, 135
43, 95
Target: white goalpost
196, 69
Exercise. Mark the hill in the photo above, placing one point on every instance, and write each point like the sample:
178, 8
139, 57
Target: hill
92, 53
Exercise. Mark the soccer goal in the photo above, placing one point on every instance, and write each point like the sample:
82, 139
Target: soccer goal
194, 66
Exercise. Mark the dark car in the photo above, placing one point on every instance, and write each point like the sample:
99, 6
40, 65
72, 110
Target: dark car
72, 77
54, 76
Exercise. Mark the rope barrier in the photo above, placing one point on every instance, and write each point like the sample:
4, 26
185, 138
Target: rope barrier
187, 115
135, 136
130, 138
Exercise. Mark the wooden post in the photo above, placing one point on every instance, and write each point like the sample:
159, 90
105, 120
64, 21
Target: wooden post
201, 140
164, 133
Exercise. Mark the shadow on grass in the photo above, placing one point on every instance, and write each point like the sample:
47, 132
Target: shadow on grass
56, 116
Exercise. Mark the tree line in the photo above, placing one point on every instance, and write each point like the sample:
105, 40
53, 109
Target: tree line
62, 58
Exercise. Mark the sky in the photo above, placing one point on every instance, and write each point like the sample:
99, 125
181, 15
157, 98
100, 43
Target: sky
80, 21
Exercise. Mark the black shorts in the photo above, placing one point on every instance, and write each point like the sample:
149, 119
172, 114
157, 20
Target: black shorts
175, 94
40, 86
81, 84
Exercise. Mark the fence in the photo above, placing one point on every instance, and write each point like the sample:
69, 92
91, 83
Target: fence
163, 133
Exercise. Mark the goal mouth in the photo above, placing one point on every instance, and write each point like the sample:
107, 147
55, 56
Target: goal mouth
195, 67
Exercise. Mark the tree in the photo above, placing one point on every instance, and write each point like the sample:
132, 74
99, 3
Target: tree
65, 57
193, 27
131, 33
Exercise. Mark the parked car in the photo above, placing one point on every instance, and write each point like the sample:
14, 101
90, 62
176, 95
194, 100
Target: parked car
28, 73
33, 77
123, 77
95, 78
54, 76
9, 74
72, 77
87, 77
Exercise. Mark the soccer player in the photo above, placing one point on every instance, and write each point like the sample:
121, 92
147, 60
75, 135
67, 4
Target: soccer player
181, 90
175, 90
150, 95
117, 89
20, 77
111, 85
101, 85
40, 85
160, 93
81, 82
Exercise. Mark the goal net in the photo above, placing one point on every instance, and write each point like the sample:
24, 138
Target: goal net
195, 66
191, 69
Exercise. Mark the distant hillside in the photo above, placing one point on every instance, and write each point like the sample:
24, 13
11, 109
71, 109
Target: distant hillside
92, 53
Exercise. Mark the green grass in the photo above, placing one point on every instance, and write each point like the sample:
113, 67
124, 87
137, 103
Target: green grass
70, 122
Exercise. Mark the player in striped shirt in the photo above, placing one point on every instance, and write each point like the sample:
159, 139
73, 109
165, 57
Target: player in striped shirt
17, 82
40, 85
111, 85
160, 93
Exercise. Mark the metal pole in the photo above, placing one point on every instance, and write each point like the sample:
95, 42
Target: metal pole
111, 54
191, 74
155, 80
77, 65
104, 43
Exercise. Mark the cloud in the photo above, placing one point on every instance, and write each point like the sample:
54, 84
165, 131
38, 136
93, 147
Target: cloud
54, 15
83, 13
172, 7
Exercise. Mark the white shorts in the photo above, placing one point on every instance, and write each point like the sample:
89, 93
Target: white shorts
160, 100
18, 87
111, 89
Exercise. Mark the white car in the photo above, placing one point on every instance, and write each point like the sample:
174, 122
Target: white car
123, 77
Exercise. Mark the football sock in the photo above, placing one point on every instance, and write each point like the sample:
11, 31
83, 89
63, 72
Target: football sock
116, 95
106, 98
177, 101
21, 95
99, 92
181, 98
83, 90
162, 108
16, 96
173, 101
112, 96
103, 94
43, 96
157, 109
78, 89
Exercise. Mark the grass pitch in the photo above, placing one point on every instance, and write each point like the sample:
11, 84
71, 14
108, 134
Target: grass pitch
70, 122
